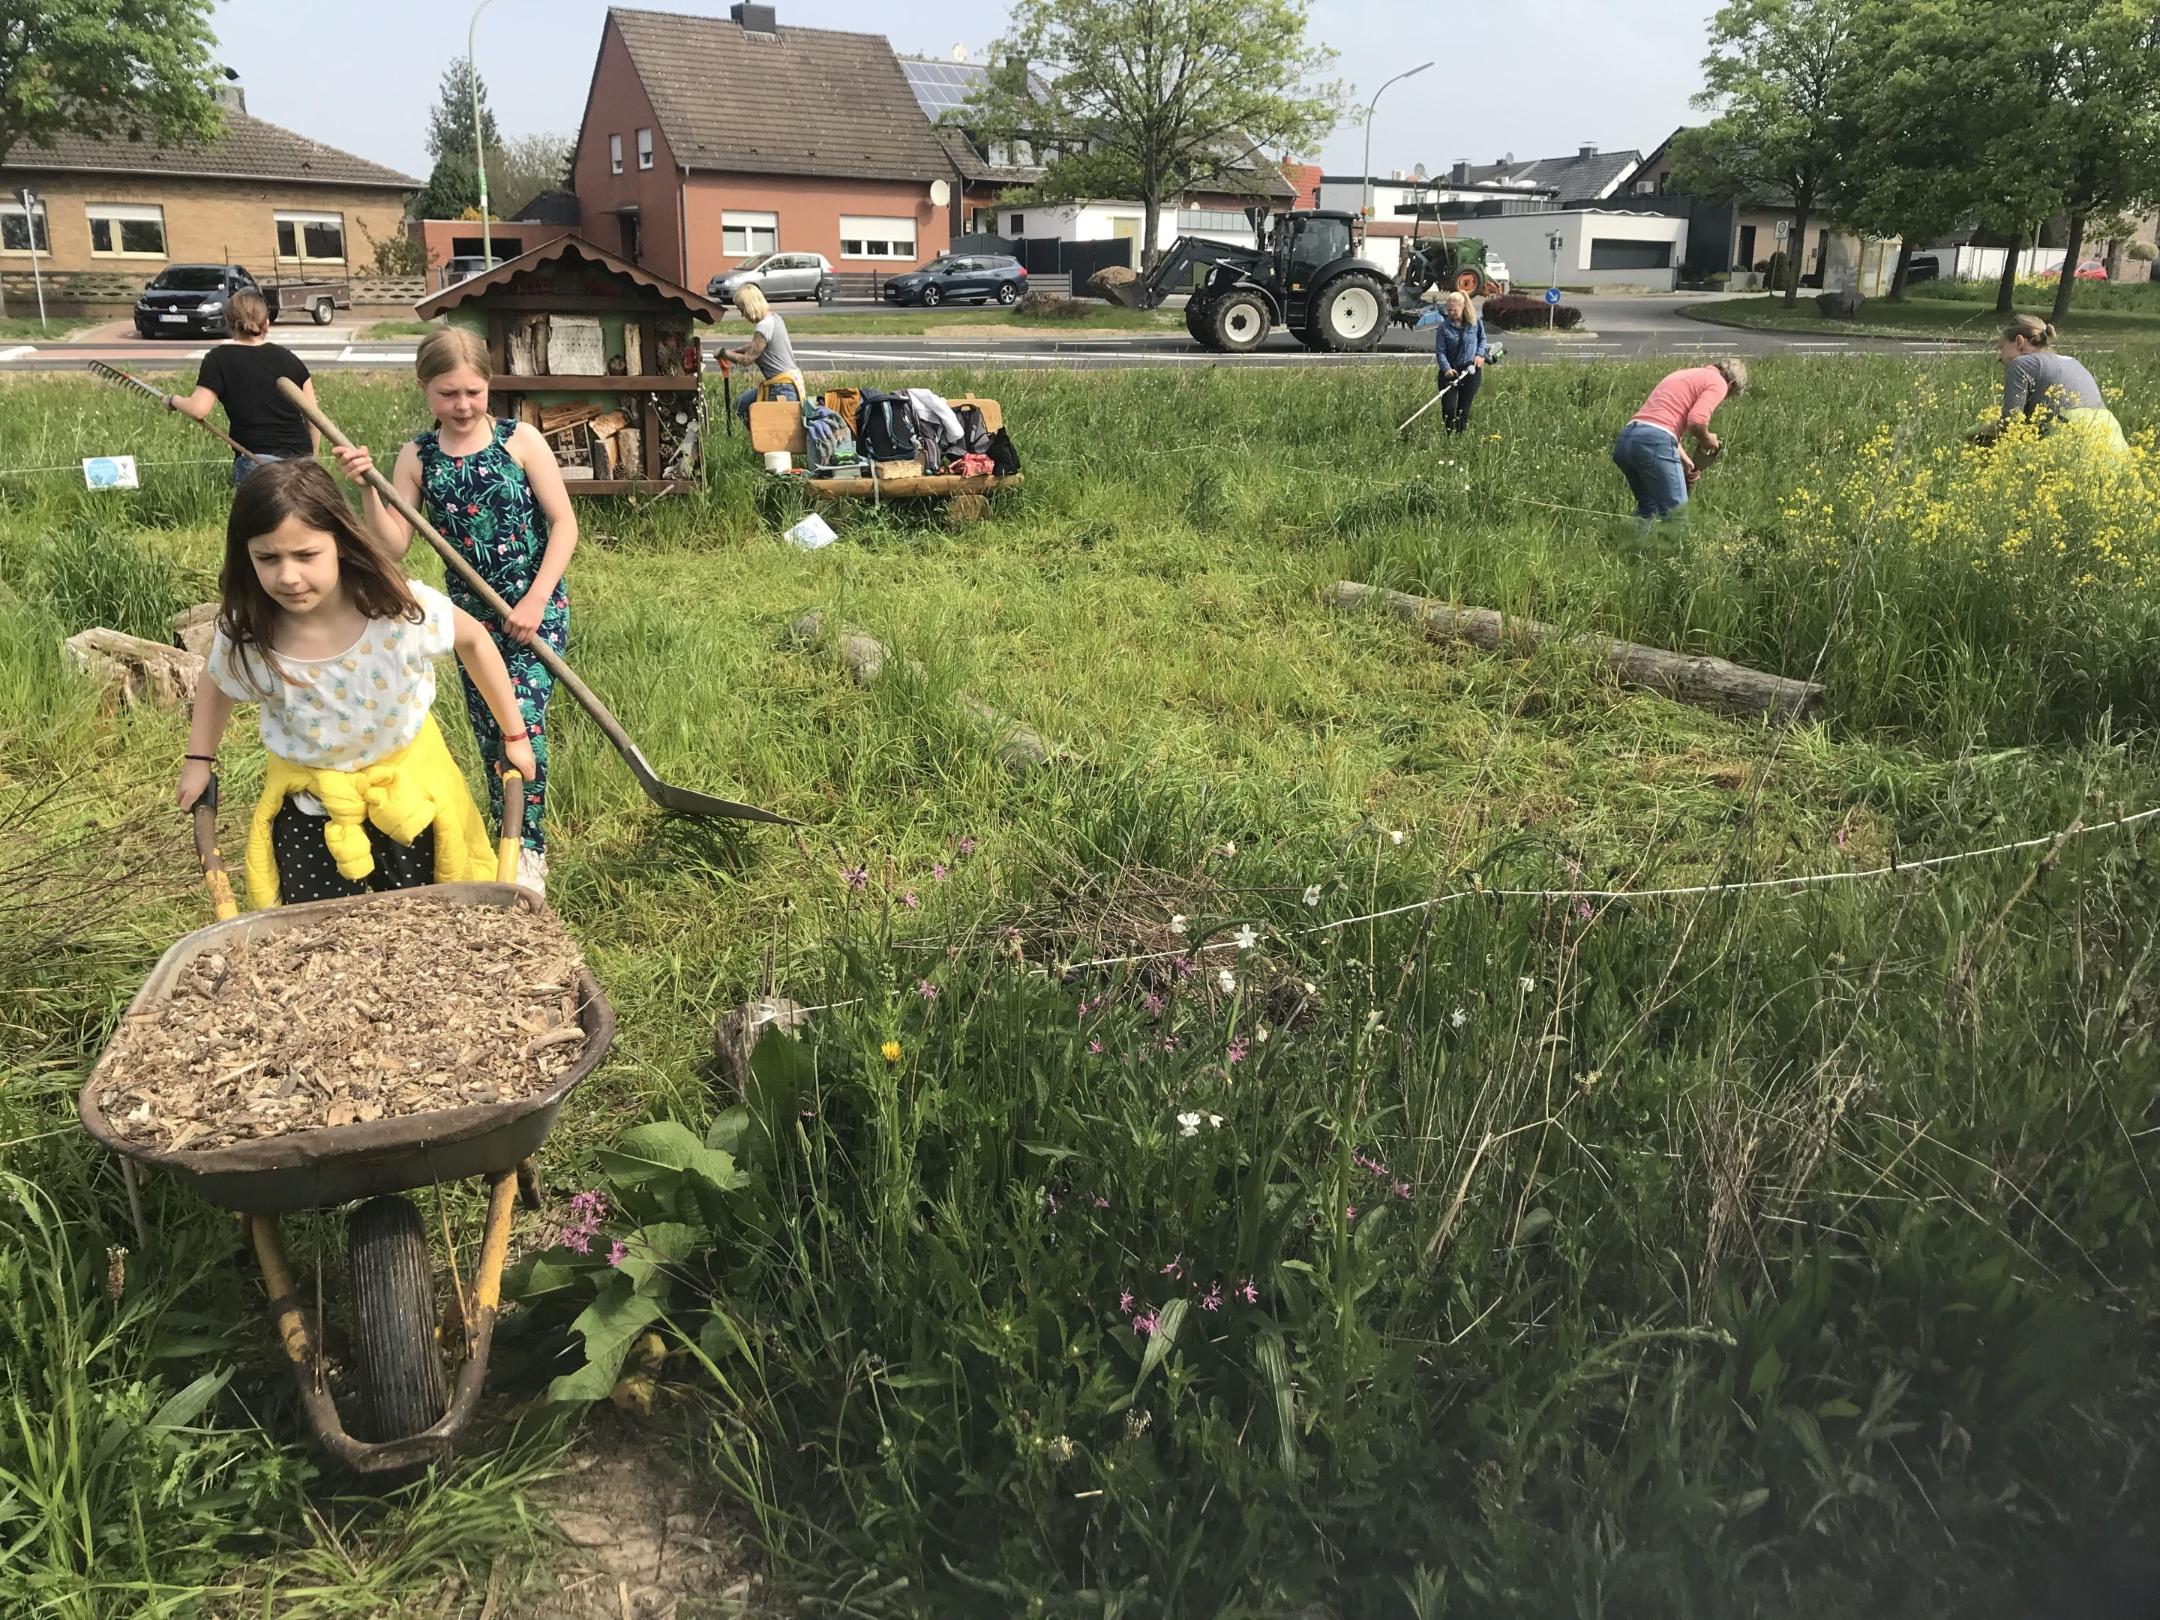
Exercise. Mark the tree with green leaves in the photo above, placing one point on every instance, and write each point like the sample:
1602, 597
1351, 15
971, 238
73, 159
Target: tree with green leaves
1778, 76
106, 68
524, 166
450, 120
453, 188
1153, 98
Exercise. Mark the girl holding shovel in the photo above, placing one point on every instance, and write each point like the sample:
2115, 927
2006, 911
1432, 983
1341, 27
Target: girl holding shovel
493, 490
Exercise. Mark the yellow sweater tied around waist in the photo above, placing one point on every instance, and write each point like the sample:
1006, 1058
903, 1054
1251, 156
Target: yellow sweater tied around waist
404, 794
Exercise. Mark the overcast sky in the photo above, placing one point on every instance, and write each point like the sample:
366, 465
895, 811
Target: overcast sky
1535, 80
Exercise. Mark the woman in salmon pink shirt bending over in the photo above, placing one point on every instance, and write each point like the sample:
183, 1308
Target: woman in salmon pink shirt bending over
1650, 451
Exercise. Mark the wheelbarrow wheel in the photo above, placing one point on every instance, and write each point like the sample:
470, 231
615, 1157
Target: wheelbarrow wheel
395, 1358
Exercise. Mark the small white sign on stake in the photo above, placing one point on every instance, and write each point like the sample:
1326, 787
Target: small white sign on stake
109, 472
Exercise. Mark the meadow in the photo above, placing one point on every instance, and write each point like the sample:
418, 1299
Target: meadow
1279, 1161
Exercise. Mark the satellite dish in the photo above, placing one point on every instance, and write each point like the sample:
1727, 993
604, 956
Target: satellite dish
940, 194
959, 53
1418, 173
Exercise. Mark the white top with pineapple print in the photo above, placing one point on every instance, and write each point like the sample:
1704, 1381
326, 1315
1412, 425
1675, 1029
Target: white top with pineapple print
350, 710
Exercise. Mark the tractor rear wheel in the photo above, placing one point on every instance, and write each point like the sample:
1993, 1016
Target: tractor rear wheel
1469, 282
1240, 321
1350, 315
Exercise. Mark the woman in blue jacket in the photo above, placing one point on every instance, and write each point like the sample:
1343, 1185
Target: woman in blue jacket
1459, 345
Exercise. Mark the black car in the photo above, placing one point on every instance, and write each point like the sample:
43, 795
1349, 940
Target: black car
974, 277
188, 300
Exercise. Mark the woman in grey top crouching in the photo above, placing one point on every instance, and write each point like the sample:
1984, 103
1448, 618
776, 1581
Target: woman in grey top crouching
2050, 389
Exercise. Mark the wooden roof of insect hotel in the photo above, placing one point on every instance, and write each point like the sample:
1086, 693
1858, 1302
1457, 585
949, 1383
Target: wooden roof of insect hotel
541, 274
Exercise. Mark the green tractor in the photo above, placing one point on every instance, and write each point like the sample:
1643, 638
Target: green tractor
1304, 274
1451, 263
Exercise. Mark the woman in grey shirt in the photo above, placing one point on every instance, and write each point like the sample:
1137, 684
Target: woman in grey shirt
2050, 389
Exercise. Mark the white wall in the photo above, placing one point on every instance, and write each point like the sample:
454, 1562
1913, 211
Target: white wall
1985, 264
1521, 240
1099, 221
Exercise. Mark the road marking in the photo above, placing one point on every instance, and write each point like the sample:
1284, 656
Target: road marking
18, 351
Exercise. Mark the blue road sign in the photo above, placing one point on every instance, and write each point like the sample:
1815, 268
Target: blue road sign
1552, 295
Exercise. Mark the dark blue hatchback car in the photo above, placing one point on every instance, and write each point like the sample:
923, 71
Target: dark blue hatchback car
970, 277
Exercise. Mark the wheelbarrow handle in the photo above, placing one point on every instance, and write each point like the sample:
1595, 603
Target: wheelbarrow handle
513, 827
223, 906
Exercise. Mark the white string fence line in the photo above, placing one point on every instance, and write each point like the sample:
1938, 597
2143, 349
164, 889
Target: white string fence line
1784, 885
76, 466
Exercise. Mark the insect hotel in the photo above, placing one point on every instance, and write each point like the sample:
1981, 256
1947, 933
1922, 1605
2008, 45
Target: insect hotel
602, 357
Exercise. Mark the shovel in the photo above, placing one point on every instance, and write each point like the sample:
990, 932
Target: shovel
667, 795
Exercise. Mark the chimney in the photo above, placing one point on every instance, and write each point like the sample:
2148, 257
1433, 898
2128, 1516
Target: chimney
1587, 150
1460, 174
232, 97
754, 19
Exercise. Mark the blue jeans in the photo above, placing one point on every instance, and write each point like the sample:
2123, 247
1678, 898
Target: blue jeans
1649, 457
744, 399
245, 467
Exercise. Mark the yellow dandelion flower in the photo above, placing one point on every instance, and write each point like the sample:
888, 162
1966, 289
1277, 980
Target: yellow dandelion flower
891, 1050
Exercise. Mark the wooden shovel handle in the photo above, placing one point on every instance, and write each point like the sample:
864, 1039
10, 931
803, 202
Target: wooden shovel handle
513, 827
223, 906
578, 690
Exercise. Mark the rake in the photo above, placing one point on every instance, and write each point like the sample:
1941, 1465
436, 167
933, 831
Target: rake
113, 374
686, 801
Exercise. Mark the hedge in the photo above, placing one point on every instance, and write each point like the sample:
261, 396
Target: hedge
1511, 313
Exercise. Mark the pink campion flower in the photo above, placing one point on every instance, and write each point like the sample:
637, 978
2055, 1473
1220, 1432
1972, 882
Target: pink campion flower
1350, 1212
1146, 1323
1101, 1202
1212, 1299
940, 872
618, 1251
966, 847
1095, 1048
590, 1207
1400, 1189
1170, 1043
910, 900
1175, 1268
1841, 838
576, 1238
1153, 1003
925, 989
1582, 910
1247, 1292
1124, 1302
1236, 1053
858, 877
1182, 966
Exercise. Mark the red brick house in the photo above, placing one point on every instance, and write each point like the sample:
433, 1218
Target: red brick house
708, 139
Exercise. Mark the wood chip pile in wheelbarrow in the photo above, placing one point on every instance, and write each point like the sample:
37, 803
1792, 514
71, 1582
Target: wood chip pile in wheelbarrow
399, 1007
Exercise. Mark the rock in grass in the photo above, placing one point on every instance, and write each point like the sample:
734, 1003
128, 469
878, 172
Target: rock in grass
738, 1033
129, 671
195, 628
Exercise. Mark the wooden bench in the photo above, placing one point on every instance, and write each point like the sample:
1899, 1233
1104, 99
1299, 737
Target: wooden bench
777, 425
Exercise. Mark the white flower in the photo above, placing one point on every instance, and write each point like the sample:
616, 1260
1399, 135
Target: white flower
1458, 1018
1246, 937
1188, 1124
1229, 850
1311, 989
1177, 924
1312, 895
1261, 1034
1215, 1120
1228, 981
1529, 984
1397, 837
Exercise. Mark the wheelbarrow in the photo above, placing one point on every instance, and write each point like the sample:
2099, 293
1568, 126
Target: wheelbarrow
408, 1417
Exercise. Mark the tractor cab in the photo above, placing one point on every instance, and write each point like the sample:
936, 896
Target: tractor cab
1314, 241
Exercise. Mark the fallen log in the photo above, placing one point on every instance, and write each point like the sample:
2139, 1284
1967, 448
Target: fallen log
128, 670
195, 629
1709, 683
1020, 748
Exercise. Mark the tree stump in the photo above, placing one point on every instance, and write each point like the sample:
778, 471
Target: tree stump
195, 628
736, 1036
129, 670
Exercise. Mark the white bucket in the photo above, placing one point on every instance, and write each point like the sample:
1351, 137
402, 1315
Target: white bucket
778, 461
810, 534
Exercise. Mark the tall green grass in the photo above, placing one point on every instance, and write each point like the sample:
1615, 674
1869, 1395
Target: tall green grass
1757, 1256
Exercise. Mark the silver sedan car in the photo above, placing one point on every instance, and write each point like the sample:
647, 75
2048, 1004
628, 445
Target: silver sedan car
780, 276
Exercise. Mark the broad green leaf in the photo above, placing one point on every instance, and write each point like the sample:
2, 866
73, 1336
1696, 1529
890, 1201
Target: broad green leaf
648, 1151
1167, 1322
651, 1249
1768, 1368
608, 1326
189, 1404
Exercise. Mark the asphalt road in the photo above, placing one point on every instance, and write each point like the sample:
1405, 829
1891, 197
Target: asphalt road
1614, 328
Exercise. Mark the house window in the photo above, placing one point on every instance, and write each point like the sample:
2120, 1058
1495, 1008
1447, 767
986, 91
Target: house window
1214, 219
1018, 223
127, 230
614, 154
311, 237
644, 148
862, 237
742, 234
1623, 253
16, 228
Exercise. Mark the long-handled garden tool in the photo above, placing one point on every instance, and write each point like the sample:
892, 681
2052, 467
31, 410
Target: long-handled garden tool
113, 374
1430, 403
687, 801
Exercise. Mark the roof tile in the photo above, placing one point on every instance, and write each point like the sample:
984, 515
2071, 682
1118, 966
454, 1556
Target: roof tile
249, 149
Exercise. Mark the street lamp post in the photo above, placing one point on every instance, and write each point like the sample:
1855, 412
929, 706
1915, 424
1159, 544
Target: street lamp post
472, 73
1366, 212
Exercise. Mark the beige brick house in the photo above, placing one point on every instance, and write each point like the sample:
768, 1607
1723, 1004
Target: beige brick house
259, 196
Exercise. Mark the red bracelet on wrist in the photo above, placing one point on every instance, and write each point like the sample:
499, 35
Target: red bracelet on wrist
517, 736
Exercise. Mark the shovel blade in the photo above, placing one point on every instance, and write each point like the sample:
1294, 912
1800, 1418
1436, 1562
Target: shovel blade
690, 802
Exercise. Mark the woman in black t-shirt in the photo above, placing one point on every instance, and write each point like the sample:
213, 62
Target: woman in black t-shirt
242, 375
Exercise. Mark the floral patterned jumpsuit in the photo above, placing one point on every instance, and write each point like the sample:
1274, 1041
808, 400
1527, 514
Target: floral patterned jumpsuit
483, 505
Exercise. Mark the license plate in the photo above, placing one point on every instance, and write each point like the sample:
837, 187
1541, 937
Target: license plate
175, 319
